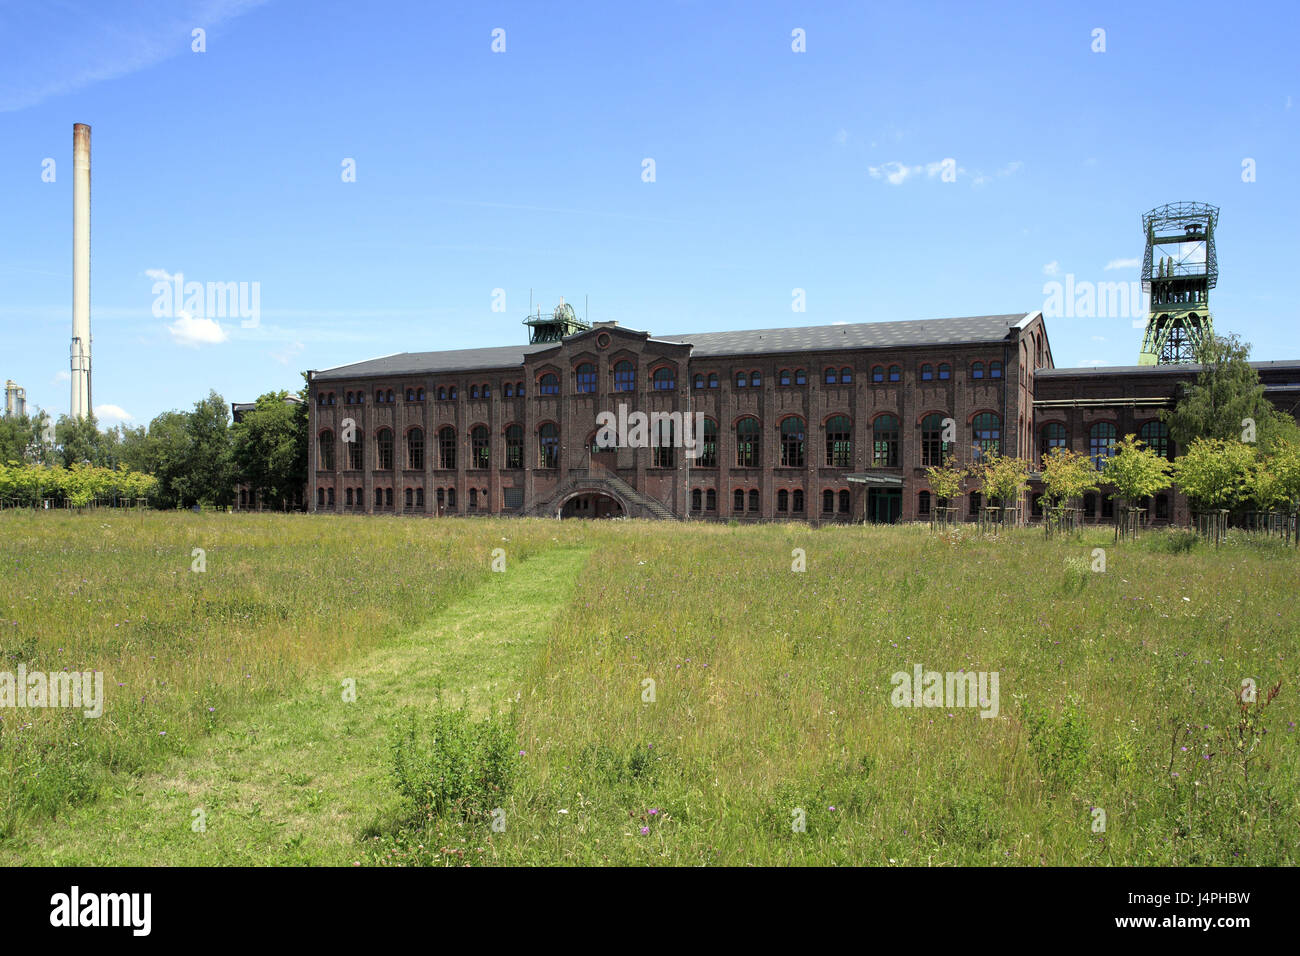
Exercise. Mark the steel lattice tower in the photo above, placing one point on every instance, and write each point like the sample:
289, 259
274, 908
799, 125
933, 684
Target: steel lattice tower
1179, 283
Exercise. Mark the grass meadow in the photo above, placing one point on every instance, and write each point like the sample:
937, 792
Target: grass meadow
642, 693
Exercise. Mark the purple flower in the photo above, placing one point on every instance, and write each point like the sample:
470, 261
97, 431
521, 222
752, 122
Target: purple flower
645, 831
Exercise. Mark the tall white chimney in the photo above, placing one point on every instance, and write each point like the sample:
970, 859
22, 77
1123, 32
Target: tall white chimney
81, 402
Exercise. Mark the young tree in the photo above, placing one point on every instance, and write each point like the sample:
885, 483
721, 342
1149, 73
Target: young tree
211, 466
1005, 479
1136, 471
1066, 475
1213, 473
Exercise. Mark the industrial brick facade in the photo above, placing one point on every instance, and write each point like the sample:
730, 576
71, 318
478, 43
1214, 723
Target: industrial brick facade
831, 423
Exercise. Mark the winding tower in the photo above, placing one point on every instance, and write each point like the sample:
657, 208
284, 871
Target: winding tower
1179, 268
554, 327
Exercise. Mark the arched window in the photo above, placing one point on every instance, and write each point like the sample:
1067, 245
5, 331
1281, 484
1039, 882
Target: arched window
327, 450
480, 453
738, 500
510, 390
713, 380
1101, 443
1051, 437
742, 379
796, 501
783, 500
624, 377
753, 499
379, 396
995, 369
451, 499
514, 446
845, 501
548, 446
329, 497
895, 373
415, 449
878, 373
783, 378
519, 389
442, 393
800, 377
1155, 435
699, 382
923, 503
388, 396
347, 498
473, 391
388, 497
663, 380
986, 430
832, 376
419, 498
708, 456
792, 442
697, 499
440, 497
1162, 506
320, 492
348, 400
747, 443
977, 370
473, 500
361, 400
828, 502
384, 449
927, 373
585, 379
975, 499
755, 378
839, 442
451, 393
379, 497
410, 397
447, 447
934, 450
884, 442
846, 376
945, 371
410, 498
487, 391
548, 384
711, 500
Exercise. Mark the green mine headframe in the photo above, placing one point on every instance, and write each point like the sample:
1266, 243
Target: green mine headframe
1179, 282
554, 327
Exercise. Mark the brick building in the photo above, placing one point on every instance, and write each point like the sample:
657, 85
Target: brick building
822, 423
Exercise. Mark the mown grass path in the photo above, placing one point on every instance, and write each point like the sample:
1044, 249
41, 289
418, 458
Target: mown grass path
297, 781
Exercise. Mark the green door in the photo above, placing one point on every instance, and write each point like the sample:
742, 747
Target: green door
884, 505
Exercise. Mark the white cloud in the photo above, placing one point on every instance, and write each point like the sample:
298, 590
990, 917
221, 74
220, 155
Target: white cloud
286, 354
193, 332
61, 376
162, 275
894, 173
1124, 264
1053, 268
112, 414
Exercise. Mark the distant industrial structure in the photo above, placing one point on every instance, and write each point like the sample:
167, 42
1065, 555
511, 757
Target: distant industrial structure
1179, 284
81, 403
15, 399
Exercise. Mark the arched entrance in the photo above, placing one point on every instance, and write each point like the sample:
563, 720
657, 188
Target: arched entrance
592, 504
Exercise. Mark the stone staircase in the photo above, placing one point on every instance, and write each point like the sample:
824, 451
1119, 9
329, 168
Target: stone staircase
595, 478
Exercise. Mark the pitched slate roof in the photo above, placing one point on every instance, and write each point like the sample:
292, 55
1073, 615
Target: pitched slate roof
813, 338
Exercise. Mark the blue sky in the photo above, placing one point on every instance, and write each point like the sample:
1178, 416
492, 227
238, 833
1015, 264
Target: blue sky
774, 170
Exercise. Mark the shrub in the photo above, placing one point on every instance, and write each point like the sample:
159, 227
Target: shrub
447, 763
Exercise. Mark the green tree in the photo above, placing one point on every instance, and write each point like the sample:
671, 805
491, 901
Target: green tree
1136, 471
211, 465
270, 448
1226, 393
79, 439
1214, 472
1003, 478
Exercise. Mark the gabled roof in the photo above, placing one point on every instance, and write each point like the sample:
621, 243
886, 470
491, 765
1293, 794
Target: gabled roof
973, 330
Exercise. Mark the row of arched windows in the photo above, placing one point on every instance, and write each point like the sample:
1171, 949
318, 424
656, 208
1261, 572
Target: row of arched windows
837, 450
1102, 439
